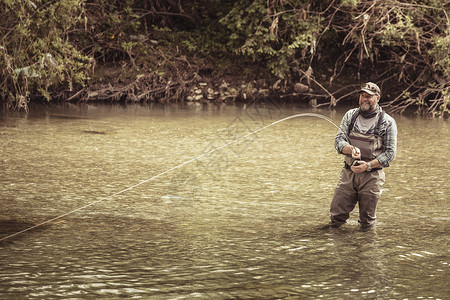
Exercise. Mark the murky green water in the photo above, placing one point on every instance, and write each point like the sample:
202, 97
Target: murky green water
244, 222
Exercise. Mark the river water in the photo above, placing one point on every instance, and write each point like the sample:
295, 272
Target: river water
246, 221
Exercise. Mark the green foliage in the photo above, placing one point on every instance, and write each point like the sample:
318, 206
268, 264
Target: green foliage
349, 2
281, 34
36, 50
50, 46
404, 40
394, 33
440, 53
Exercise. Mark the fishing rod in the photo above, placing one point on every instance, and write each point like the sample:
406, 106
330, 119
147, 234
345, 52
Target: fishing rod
174, 168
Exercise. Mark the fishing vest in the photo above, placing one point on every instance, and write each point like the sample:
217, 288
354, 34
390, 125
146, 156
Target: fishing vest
370, 144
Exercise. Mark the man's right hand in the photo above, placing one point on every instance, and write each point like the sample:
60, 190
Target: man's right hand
356, 153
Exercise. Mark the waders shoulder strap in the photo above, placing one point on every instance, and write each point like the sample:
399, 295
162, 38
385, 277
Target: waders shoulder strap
356, 114
380, 119
352, 121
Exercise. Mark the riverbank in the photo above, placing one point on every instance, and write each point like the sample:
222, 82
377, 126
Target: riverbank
228, 51
201, 82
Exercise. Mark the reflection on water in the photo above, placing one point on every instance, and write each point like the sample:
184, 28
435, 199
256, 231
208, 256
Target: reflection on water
243, 222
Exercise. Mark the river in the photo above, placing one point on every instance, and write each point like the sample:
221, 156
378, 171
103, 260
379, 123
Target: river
153, 211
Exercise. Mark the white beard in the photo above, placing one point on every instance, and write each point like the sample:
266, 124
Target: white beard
367, 107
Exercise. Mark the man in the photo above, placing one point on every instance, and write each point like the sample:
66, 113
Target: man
368, 139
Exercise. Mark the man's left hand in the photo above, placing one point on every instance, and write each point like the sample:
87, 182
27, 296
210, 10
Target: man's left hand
362, 167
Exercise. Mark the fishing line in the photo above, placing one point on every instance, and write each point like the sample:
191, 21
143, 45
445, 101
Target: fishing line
171, 169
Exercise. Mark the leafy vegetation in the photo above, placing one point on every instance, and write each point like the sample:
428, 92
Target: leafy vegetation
160, 49
36, 51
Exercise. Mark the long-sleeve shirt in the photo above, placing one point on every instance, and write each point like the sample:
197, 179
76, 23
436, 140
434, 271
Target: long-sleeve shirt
388, 131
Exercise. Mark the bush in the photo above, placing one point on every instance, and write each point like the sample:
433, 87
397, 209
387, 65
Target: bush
36, 51
49, 47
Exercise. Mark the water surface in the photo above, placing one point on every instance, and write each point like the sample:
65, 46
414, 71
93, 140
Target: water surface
246, 221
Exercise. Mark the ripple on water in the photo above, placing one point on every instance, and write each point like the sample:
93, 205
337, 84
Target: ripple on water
245, 226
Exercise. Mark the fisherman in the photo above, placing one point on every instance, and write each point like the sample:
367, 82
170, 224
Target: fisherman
368, 139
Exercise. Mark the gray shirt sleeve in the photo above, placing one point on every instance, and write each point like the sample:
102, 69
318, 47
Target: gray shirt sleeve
341, 139
389, 132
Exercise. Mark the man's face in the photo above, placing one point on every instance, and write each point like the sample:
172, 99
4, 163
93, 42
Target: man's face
368, 102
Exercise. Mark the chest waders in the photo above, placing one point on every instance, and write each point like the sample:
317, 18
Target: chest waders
371, 145
363, 188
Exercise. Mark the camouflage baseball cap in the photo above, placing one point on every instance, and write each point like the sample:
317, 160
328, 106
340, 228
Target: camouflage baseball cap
370, 88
